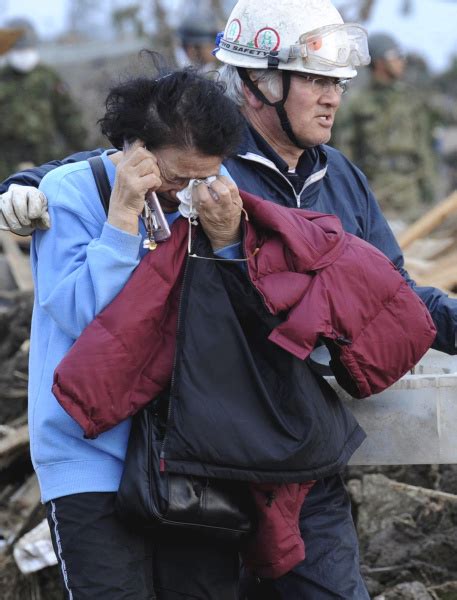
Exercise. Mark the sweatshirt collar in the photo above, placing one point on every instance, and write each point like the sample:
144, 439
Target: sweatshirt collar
311, 160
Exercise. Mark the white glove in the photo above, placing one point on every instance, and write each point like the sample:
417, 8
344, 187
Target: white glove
23, 209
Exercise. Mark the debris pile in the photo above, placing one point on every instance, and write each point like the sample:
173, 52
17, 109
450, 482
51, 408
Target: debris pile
407, 533
431, 261
20, 507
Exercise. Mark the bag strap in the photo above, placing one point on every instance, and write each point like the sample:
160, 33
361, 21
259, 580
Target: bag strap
101, 180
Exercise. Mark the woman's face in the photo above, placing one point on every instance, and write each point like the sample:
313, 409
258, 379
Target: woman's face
177, 167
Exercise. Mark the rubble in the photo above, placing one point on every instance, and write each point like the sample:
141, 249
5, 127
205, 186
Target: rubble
431, 260
20, 507
34, 550
407, 591
407, 534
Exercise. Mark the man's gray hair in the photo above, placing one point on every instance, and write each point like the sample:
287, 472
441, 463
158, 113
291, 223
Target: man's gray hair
234, 83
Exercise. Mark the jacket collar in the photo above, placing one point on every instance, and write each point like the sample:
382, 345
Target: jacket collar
311, 167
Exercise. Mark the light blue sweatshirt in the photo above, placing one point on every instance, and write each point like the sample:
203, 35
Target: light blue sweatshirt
79, 265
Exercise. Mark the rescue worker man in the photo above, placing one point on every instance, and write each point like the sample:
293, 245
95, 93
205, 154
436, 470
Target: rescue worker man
387, 130
38, 118
286, 65
197, 34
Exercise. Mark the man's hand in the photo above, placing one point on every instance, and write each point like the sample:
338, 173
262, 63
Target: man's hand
23, 209
136, 173
219, 211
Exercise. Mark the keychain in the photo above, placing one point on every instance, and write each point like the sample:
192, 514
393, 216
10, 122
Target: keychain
149, 243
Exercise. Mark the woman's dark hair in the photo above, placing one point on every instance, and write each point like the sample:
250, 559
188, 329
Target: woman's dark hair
179, 108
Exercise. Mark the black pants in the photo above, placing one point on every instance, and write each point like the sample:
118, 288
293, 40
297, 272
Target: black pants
331, 569
101, 558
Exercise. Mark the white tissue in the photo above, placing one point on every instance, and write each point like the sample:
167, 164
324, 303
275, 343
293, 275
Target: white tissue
186, 207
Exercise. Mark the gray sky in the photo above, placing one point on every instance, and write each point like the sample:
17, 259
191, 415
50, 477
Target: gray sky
431, 30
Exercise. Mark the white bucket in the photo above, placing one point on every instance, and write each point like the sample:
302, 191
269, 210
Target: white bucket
414, 421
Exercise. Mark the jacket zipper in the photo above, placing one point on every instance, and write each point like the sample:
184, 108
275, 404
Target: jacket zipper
162, 519
261, 296
178, 341
172, 386
250, 156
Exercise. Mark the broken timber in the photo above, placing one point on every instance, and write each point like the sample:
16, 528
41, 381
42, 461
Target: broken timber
430, 221
16, 260
432, 261
13, 442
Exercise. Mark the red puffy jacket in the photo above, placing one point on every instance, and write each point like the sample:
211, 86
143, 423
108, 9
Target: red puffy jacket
333, 284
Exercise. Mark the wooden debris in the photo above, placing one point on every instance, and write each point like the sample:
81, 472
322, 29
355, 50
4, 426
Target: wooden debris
25, 503
13, 442
432, 261
27, 496
428, 222
432, 248
17, 260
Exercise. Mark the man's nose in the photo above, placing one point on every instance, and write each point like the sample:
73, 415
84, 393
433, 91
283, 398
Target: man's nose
330, 96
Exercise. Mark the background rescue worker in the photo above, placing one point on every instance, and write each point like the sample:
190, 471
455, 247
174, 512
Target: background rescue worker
387, 130
38, 118
197, 37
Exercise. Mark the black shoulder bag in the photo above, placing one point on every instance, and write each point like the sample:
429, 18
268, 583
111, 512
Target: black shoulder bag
151, 498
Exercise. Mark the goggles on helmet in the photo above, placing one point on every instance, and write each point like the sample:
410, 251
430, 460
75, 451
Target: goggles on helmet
333, 46
322, 49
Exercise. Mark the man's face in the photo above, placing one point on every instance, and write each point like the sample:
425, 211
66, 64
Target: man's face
177, 167
395, 66
201, 54
311, 108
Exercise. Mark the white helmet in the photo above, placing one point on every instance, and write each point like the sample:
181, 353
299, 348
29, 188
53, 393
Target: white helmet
293, 35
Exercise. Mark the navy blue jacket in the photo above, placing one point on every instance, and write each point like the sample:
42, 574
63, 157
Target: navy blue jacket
325, 181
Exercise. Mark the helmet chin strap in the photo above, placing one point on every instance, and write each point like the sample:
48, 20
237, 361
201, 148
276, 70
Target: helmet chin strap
279, 106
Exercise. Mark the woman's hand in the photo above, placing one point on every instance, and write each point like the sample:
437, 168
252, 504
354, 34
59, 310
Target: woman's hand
136, 173
219, 211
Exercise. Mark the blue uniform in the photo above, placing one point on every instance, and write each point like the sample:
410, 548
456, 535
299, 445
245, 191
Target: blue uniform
325, 181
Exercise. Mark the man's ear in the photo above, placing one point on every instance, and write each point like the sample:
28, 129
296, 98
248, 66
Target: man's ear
251, 100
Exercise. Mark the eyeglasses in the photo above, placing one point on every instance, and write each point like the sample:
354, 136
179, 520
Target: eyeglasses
323, 85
